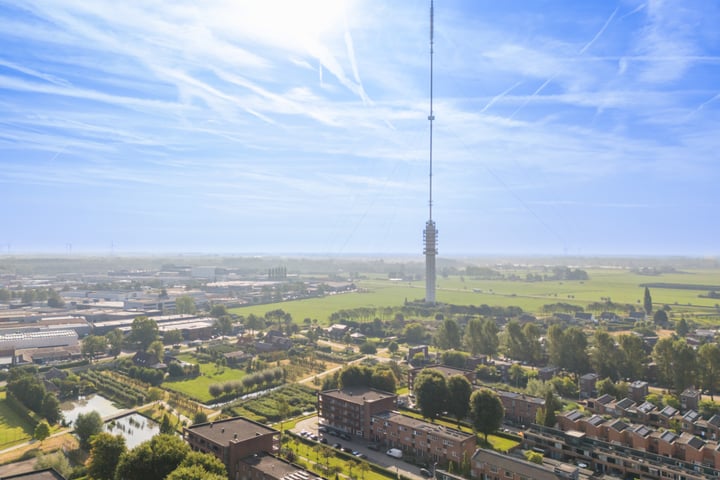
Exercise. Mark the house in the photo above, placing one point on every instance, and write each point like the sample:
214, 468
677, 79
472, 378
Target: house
520, 409
232, 440
588, 384
147, 360
547, 373
638, 390
690, 399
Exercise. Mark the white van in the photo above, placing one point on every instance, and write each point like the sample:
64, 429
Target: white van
395, 453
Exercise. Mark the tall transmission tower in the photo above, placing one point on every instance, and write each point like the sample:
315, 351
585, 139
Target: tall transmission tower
430, 233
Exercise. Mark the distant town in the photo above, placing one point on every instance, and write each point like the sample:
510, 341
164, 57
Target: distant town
288, 368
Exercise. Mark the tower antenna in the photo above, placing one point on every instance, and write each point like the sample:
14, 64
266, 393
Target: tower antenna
430, 233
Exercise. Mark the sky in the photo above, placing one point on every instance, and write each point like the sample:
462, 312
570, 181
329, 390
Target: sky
282, 127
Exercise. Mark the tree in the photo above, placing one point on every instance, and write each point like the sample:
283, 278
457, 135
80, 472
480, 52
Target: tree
172, 337
676, 363
414, 333
454, 358
224, 325
383, 379
431, 393
115, 339
200, 417
546, 414
254, 323
195, 472
143, 332
208, 462
568, 348
647, 301
709, 367
604, 355
105, 453
166, 426
57, 461
218, 311
534, 457
155, 458
42, 431
355, 376
448, 335
533, 348
459, 391
515, 342
393, 347
660, 318
185, 304
93, 345
517, 374
51, 408
368, 348
682, 328
158, 349
486, 411
632, 359
86, 426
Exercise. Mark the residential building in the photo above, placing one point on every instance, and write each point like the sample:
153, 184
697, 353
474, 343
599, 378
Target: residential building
490, 465
520, 409
349, 410
421, 439
232, 440
261, 466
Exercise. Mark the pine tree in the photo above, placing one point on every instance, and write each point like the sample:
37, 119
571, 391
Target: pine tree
647, 303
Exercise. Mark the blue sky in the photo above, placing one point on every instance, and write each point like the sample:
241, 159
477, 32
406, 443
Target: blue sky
301, 127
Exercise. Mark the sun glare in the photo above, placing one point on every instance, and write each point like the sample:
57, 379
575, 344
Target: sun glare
288, 22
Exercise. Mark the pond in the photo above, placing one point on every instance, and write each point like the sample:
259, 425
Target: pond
72, 408
134, 427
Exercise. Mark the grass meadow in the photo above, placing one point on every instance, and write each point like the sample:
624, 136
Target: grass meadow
13, 429
621, 285
198, 387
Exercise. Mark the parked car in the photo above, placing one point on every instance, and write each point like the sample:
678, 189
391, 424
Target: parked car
337, 445
373, 446
394, 452
345, 436
425, 473
362, 456
323, 440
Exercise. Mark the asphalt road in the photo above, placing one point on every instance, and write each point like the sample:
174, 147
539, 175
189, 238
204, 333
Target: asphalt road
359, 444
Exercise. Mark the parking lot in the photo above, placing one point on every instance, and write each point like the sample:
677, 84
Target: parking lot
358, 447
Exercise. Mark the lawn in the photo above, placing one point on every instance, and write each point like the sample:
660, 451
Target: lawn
13, 429
198, 387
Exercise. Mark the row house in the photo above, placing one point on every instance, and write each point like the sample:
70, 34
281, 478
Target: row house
421, 439
488, 464
662, 455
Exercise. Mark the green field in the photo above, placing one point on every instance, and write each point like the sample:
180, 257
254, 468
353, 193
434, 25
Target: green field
13, 429
198, 387
621, 285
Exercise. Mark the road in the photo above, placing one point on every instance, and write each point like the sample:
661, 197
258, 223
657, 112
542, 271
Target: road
357, 443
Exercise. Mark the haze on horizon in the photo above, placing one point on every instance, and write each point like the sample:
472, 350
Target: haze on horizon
577, 128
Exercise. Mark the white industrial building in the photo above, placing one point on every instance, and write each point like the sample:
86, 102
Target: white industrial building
42, 339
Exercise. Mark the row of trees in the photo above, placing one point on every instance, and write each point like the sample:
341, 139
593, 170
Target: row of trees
435, 394
24, 385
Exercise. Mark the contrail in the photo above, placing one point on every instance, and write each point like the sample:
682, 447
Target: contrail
597, 35
498, 97
353, 63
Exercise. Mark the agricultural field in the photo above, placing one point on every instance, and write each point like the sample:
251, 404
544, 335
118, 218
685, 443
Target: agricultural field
620, 285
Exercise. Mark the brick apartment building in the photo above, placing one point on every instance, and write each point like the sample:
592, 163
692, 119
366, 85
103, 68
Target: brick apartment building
349, 410
490, 465
421, 439
233, 440
519, 408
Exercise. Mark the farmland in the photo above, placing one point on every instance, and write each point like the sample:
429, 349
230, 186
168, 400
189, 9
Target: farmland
620, 285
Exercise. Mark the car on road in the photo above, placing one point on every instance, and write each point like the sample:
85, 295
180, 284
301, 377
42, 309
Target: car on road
425, 473
394, 452
346, 449
362, 456
337, 445
323, 440
374, 446
345, 436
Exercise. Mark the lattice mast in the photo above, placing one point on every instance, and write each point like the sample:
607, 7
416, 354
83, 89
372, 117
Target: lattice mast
430, 233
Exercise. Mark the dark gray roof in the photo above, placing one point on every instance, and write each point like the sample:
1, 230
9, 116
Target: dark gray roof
595, 420
573, 415
236, 429
669, 411
669, 436
358, 395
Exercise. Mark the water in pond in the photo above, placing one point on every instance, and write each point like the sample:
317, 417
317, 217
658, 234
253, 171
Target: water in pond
134, 427
71, 409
